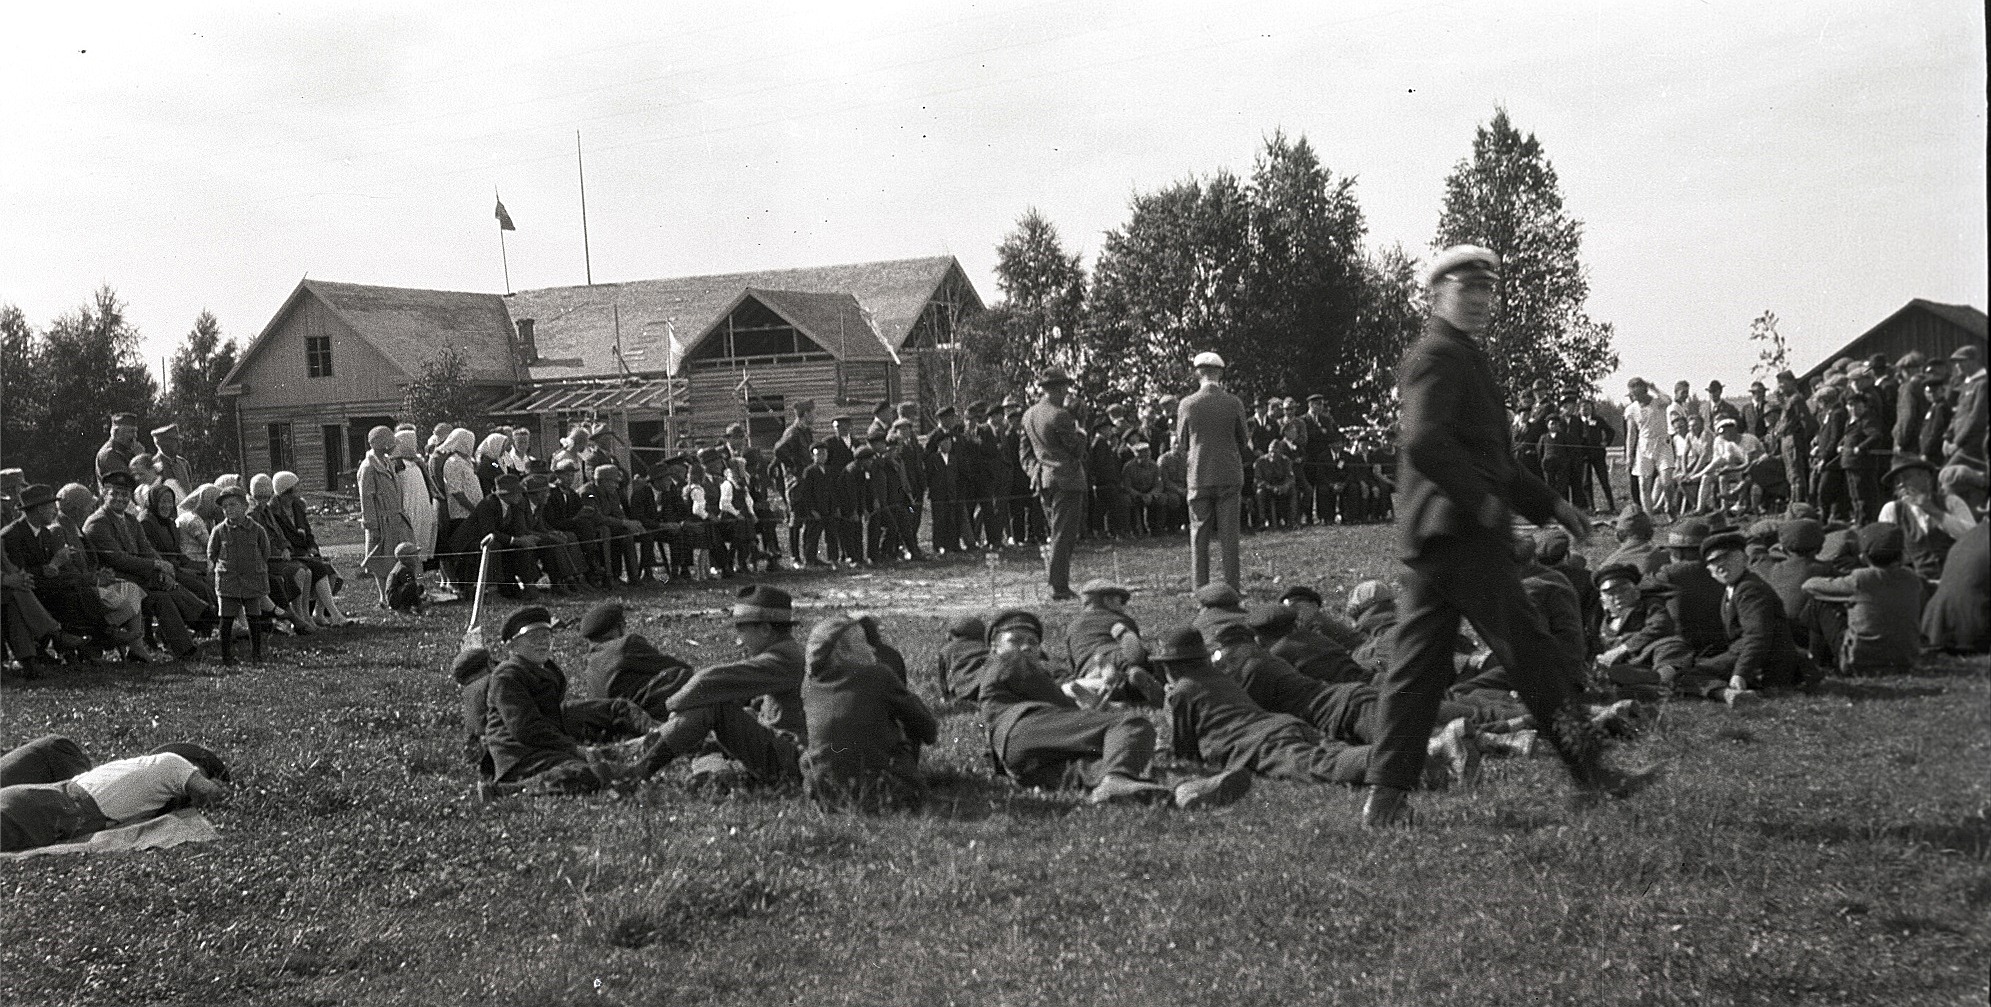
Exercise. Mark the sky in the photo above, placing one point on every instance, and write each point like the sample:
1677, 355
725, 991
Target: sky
1822, 160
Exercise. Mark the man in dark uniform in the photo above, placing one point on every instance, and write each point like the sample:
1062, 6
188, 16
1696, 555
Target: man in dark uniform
1457, 480
1053, 453
116, 454
943, 484
173, 466
972, 471
1026, 521
1794, 429
792, 451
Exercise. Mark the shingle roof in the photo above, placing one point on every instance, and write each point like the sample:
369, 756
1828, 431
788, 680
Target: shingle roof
574, 327
834, 321
408, 325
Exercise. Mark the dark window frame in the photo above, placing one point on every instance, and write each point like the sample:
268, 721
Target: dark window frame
318, 356
283, 447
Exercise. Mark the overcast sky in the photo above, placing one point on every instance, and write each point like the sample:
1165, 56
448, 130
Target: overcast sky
1822, 160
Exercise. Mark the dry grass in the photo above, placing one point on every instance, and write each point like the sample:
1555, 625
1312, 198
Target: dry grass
1829, 850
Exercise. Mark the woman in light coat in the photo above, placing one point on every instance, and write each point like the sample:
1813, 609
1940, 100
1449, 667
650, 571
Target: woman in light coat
380, 513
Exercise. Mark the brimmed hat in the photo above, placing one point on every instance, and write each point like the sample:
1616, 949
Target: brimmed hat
1181, 644
37, 494
603, 621
1053, 376
1368, 595
1905, 462
1014, 618
761, 603
529, 617
1100, 585
169, 430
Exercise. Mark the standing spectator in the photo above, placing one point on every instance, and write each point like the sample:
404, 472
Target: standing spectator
1758, 414
1102, 465
461, 490
1934, 427
1861, 451
1794, 429
1598, 436
1457, 480
1966, 430
118, 449
1211, 427
1685, 406
1911, 402
1053, 454
792, 452
1323, 438
1828, 490
420, 497
239, 553
382, 520
173, 466
1649, 445
518, 458
490, 460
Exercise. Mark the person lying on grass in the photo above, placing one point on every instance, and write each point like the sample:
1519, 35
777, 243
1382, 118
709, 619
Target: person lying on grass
865, 727
1039, 737
1104, 643
49, 794
1216, 721
1277, 629
1307, 604
958, 664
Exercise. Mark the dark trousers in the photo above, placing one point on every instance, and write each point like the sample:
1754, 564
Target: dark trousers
1065, 510
50, 758
1829, 493
1599, 466
1863, 496
1471, 577
770, 755
1796, 454
812, 536
1052, 748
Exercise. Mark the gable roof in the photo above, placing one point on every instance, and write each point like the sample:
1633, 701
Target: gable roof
835, 321
407, 325
1963, 316
574, 328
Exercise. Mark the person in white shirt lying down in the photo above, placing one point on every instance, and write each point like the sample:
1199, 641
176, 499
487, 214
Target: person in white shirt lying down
49, 793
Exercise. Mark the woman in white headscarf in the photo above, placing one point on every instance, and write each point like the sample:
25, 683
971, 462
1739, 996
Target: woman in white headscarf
198, 514
461, 490
491, 460
418, 498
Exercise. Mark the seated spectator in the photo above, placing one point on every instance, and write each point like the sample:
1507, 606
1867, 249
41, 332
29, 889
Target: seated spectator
533, 733
1930, 520
1634, 532
1958, 618
865, 727
65, 582
293, 522
711, 706
1760, 652
1799, 539
116, 543
405, 592
625, 665
1874, 614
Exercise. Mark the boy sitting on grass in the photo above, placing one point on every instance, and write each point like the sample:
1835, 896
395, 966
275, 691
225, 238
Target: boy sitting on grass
1872, 617
865, 727
405, 593
1760, 651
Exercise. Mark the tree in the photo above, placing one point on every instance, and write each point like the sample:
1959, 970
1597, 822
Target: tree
1169, 284
1506, 197
1040, 317
442, 393
1773, 355
1387, 319
193, 397
1304, 284
63, 385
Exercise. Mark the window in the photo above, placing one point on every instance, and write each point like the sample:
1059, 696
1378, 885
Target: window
282, 454
318, 356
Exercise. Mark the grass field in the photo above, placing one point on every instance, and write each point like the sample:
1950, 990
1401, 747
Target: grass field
1831, 849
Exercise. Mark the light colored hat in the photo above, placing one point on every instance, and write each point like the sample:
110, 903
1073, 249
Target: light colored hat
1208, 359
284, 481
1463, 258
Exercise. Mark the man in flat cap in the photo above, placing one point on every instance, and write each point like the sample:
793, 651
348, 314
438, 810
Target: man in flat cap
1053, 451
500, 521
711, 705
1966, 431
1457, 481
1211, 429
116, 453
533, 734
173, 466
625, 665
1760, 651
1793, 429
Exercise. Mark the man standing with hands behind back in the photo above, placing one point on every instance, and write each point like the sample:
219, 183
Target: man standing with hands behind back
1052, 450
1211, 431
1457, 480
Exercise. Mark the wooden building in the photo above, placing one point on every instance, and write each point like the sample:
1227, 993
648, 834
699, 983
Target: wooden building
332, 363
661, 362
1935, 329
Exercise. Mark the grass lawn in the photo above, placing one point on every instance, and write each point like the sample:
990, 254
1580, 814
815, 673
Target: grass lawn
1831, 849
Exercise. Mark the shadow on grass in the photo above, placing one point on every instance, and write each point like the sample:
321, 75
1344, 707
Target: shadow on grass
1969, 836
964, 797
1861, 691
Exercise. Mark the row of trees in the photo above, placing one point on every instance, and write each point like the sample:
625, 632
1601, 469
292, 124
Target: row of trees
60, 385
1272, 272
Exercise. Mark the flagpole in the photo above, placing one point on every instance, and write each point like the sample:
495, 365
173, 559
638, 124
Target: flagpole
587, 258
503, 258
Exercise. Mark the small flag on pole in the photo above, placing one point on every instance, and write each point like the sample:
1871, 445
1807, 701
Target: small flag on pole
504, 219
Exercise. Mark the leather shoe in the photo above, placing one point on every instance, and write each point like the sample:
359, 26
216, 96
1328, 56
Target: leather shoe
1386, 807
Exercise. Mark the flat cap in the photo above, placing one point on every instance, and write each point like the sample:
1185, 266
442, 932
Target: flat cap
1208, 359
603, 621
1368, 595
1882, 542
1100, 585
169, 430
1463, 259
945, 412
1015, 618
1217, 594
1618, 573
762, 603
227, 493
968, 627
1274, 620
1803, 535
1301, 592
527, 618
1687, 534
123, 479
1764, 532
1968, 351
1052, 376
1181, 644
1728, 541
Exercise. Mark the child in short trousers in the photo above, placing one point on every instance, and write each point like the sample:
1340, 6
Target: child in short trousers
239, 553
404, 583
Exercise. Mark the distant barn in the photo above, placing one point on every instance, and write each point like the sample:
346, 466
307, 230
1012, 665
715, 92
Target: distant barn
662, 362
1935, 329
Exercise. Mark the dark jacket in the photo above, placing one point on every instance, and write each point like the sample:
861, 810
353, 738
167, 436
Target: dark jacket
1759, 637
1318, 657
489, 517
958, 667
1052, 448
773, 676
523, 727
1454, 447
1694, 599
630, 667
1278, 687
